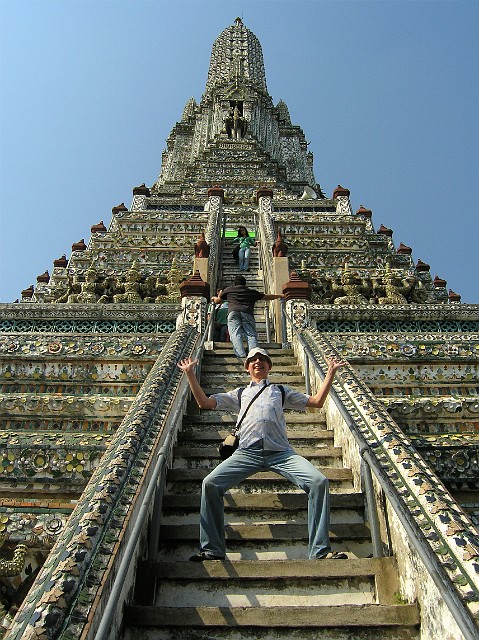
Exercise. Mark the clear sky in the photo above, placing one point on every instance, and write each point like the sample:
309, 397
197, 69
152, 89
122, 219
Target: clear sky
385, 91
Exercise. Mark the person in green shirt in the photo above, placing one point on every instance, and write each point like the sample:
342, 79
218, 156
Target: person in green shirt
245, 243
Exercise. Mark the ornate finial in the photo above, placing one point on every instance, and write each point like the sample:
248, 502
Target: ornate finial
79, 246
44, 277
341, 191
28, 293
454, 297
118, 208
404, 249
142, 190
385, 231
297, 288
280, 248
422, 266
362, 211
98, 228
238, 22
202, 248
61, 262
439, 283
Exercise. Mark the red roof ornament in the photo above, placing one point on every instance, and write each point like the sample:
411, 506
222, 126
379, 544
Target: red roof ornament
118, 208
422, 266
280, 248
341, 191
385, 231
362, 211
297, 288
216, 191
79, 246
61, 262
195, 286
404, 249
202, 248
142, 190
454, 297
28, 293
44, 277
98, 228
264, 192
439, 282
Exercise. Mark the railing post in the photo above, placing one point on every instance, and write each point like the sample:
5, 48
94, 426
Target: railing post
378, 550
306, 375
267, 323
284, 330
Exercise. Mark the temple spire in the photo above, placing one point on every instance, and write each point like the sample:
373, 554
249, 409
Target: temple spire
236, 58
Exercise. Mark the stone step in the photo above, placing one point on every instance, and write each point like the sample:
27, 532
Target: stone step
267, 592
275, 582
211, 369
317, 617
263, 477
384, 568
311, 417
296, 436
238, 501
271, 532
379, 632
240, 378
224, 349
310, 453
219, 388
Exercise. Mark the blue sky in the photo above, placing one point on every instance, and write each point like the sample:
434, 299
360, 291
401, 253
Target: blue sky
385, 91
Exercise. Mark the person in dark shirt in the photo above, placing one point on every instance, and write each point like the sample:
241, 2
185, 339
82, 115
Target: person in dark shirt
241, 323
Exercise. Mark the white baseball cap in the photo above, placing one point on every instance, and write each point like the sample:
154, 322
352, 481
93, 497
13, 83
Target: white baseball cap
254, 352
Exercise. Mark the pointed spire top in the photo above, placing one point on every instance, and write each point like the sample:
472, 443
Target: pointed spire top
236, 57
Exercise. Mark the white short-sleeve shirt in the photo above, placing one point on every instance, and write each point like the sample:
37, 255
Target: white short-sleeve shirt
265, 418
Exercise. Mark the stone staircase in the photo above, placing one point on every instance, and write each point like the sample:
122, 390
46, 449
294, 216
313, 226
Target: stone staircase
230, 269
266, 588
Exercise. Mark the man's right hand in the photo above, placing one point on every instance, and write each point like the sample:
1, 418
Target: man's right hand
187, 365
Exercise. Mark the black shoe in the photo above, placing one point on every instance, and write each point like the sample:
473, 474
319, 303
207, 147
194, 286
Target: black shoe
205, 555
334, 555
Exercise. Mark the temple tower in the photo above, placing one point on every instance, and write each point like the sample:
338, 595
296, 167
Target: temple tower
88, 379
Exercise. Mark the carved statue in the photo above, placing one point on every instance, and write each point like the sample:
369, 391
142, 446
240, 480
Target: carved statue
88, 293
351, 286
235, 124
173, 286
107, 289
14, 567
132, 287
394, 288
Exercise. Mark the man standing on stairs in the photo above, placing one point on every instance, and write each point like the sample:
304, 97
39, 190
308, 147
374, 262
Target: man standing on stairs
241, 322
263, 445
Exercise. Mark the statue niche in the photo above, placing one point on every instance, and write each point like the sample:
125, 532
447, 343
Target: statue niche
235, 122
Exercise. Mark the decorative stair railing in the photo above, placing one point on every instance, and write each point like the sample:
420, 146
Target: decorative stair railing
436, 550
214, 235
89, 573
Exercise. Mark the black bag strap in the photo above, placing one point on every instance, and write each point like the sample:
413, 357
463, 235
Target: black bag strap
237, 428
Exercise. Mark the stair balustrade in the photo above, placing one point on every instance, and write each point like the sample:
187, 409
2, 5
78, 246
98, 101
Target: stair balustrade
386, 454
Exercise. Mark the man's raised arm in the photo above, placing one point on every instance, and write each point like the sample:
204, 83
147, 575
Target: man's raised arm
188, 367
317, 400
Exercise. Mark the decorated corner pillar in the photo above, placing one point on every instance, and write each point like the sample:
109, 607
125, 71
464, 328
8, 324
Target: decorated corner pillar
195, 296
298, 298
200, 265
140, 194
343, 204
216, 196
